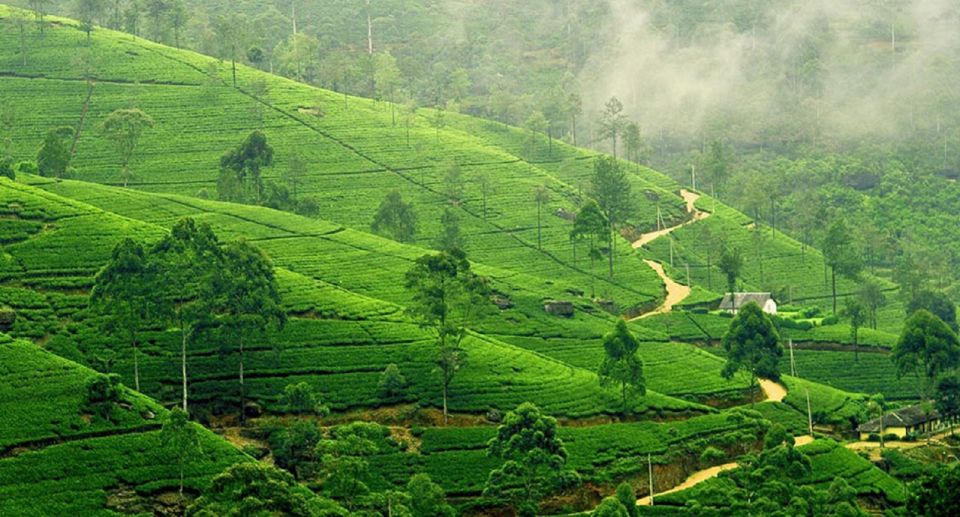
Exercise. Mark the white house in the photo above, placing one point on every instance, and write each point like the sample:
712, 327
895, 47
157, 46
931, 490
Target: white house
764, 300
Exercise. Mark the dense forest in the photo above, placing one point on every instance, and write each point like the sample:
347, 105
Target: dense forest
480, 258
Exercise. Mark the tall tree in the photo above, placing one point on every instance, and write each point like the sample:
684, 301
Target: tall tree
88, 12
856, 312
445, 297
534, 459
180, 268
121, 293
453, 182
427, 499
935, 493
927, 347
242, 166
124, 127
718, 165
621, 364
182, 438
632, 142
731, 263
575, 109
590, 225
872, 297
450, 236
937, 303
486, 188
395, 218
53, 158
295, 171
841, 255
542, 196
753, 346
344, 461
612, 122
39, 8
247, 298
611, 189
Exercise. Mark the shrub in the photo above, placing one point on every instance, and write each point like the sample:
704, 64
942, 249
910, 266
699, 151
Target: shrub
103, 394
301, 398
711, 455
27, 167
6, 169
392, 383
830, 320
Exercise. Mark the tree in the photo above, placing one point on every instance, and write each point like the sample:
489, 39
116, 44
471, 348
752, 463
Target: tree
575, 108
254, 488
386, 77
752, 345
445, 295
103, 394
486, 188
937, 303
927, 347
121, 293
935, 494
180, 268
344, 467
156, 11
621, 365
718, 165
295, 171
611, 189
300, 398
182, 438
392, 383
612, 122
39, 8
450, 236
248, 299
453, 182
840, 255
610, 506
628, 498
731, 263
633, 143
542, 195
856, 312
87, 12
872, 297
232, 34
592, 225
177, 17
395, 218
53, 158
124, 127
243, 165
294, 447
947, 399
536, 124
876, 405
19, 20
427, 498
534, 459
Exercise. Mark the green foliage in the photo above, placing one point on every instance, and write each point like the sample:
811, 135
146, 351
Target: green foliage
427, 499
840, 255
936, 494
183, 437
344, 465
947, 398
392, 383
534, 459
450, 237
610, 507
103, 395
53, 158
937, 303
395, 218
927, 347
240, 169
124, 127
621, 364
300, 398
752, 345
731, 263
294, 447
627, 497
259, 489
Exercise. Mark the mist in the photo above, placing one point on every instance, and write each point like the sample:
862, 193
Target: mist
790, 70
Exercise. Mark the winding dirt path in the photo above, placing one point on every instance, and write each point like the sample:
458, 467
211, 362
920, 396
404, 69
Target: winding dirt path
772, 391
695, 479
676, 293
691, 200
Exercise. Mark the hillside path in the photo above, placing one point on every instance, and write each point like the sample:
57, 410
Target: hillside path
695, 479
691, 198
772, 391
676, 293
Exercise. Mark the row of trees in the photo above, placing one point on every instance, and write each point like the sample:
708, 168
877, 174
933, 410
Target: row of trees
192, 282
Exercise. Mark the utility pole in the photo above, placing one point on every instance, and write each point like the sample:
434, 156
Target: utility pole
693, 176
809, 413
369, 31
793, 365
650, 475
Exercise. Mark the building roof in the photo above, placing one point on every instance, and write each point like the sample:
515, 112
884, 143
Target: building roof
744, 298
906, 417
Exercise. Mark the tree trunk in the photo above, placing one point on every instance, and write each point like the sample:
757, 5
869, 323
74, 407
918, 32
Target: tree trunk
444, 403
233, 63
610, 242
243, 413
136, 361
833, 281
181, 478
183, 364
539, 246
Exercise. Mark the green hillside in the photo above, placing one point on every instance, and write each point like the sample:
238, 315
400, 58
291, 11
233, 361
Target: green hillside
57, 458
